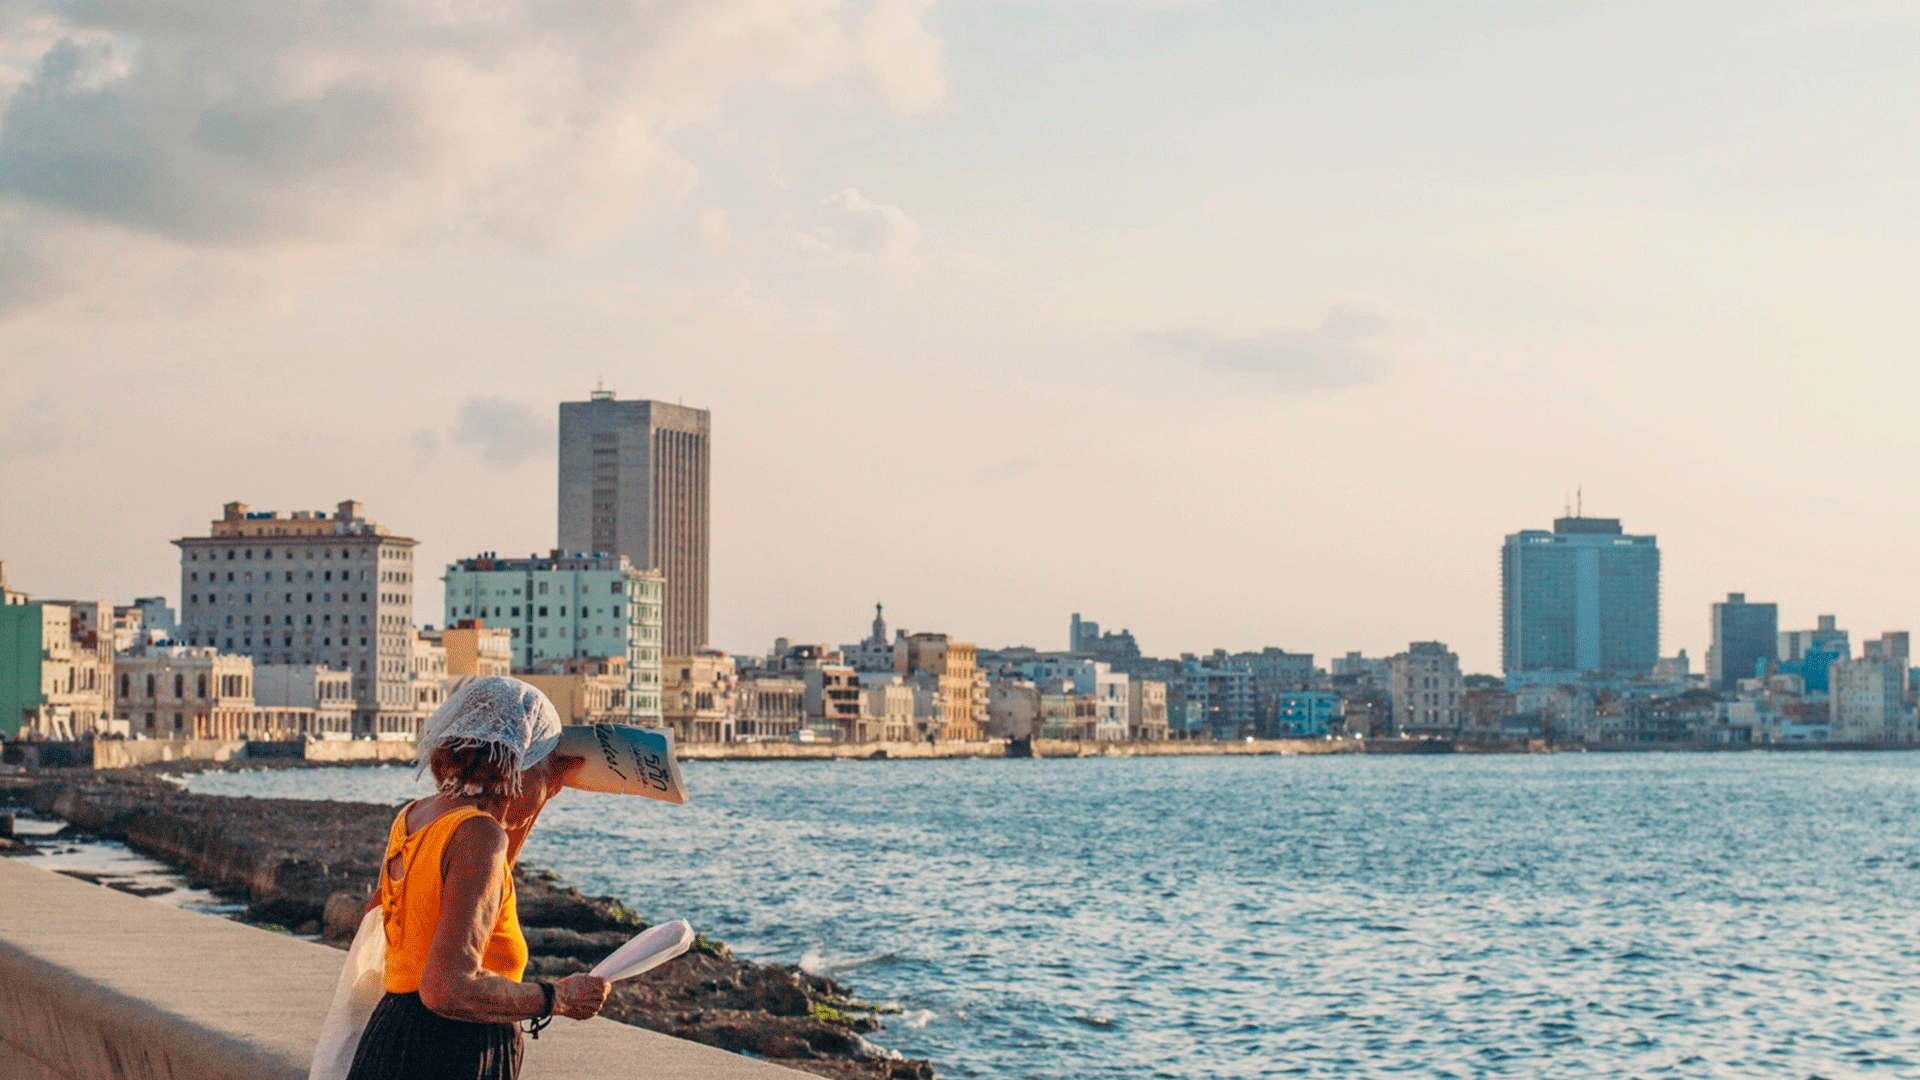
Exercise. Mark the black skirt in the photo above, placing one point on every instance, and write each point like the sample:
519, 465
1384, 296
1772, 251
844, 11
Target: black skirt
405, 1040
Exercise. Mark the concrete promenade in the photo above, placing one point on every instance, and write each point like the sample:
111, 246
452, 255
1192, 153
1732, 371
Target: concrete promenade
99, 985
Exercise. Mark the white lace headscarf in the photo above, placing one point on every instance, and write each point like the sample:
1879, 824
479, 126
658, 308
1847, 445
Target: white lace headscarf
513, 720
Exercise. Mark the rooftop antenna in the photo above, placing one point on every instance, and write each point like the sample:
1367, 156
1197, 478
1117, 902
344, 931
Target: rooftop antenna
1579, 503
600, 391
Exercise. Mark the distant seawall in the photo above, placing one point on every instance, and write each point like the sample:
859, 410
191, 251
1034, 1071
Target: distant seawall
997, 748
98, 985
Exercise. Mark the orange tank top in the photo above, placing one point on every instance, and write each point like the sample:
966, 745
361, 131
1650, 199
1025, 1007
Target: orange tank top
412, 904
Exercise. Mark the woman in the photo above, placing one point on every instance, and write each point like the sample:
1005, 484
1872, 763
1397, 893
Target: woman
454, 948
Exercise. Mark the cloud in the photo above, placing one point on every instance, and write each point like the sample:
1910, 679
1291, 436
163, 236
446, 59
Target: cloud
425, 445
35, 427
1353, 343
237, 126
506, 433
850, 225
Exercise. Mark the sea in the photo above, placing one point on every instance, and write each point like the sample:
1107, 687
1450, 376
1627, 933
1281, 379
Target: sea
1567, 915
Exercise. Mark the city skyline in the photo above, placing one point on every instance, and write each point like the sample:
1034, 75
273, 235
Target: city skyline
1235, 324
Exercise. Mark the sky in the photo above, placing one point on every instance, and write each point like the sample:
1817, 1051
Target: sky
1233, 324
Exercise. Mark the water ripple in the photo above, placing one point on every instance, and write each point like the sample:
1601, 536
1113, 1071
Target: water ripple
1692, 916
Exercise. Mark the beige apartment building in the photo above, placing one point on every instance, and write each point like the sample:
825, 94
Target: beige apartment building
699, 696
769, 707
188, 692
832, 699
56, 668
429, 686
886, 709
1013, 709
310, 587
1146, 710
584, 689
1426, 684
474, 648
962, 686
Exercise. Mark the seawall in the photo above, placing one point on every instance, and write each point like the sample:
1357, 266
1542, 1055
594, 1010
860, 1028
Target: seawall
997, 748
98, 985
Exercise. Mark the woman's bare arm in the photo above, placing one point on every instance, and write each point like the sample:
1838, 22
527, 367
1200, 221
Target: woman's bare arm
453, 984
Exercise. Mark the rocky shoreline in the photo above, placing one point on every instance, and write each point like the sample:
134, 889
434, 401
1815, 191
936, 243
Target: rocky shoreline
309, 867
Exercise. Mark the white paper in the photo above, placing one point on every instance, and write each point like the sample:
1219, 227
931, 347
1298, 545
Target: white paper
648, 950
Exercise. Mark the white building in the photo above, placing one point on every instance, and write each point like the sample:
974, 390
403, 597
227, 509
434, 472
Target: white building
1096, 678
304, 701
566, 606
307, 588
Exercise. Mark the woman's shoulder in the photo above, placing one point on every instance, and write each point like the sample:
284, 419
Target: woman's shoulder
478, 833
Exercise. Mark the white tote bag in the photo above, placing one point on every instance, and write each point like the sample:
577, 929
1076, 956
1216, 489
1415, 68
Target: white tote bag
362, 983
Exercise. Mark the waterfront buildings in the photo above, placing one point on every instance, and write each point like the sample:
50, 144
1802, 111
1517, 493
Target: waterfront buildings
1866, 699
875, 653
564, 607
584, 689
1809, 653
769, 706
304, 701
1305, 714
831, 698
308, 588
634, 483
428, 666
1582, 598
1426, 688
1745, 638
189, 692
1146, 709
1097, 680
474, 648
698, 696
56, 667
886, 708
1356, 672
8, 596
1013, 709
1084, 637
953, 675
1213, 696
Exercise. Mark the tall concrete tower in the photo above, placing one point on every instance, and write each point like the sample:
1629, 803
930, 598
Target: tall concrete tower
633, 482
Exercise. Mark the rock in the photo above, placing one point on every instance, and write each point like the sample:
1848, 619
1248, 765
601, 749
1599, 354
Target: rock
558, 941
341, 916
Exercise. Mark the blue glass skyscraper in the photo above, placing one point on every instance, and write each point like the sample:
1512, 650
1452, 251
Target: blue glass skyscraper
1582, 598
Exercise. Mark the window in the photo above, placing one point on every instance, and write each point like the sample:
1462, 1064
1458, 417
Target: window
615, 586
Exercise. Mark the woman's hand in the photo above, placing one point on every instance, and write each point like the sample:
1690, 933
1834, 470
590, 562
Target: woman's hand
580, 997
